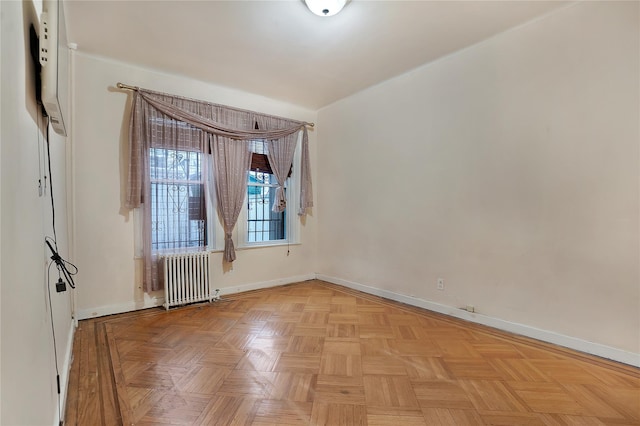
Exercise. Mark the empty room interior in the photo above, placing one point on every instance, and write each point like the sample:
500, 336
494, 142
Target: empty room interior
320, 212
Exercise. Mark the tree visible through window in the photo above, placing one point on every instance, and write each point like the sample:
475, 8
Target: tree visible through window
178, 212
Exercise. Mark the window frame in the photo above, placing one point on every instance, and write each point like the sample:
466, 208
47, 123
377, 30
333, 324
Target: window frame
292, 222
210, 213
203, 183
265, 208
215, 231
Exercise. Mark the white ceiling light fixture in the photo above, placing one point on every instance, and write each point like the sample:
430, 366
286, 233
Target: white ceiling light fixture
325, 7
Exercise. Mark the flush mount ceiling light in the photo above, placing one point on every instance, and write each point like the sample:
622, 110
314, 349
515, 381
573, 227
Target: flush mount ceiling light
325, 7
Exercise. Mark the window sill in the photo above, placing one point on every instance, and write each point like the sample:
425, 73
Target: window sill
249, 246
238, 248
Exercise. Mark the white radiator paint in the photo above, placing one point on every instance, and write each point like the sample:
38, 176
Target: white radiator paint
521, 329
186, 278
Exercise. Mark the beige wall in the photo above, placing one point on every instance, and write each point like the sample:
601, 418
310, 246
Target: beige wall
104, 228
510, 169
27, 366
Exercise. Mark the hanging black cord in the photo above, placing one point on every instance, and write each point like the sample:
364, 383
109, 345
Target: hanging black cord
55, 347
63, 269
61, 264
53, 207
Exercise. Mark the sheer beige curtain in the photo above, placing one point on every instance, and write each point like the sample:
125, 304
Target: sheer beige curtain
231, 162
280, 155
306, 189
228, 131
151, 129
219, 120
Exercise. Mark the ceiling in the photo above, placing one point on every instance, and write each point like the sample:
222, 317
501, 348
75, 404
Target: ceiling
279, 49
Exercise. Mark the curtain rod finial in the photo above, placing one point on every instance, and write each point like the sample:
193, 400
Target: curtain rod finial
126, 86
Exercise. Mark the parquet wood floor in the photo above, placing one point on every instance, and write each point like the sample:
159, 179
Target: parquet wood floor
318, 354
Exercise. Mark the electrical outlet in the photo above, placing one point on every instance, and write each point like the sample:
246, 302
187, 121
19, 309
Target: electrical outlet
440, 285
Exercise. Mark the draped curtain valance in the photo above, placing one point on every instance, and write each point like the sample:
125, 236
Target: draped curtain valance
162, 120
214, 119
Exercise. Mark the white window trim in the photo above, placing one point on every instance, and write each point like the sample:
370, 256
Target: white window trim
137, 234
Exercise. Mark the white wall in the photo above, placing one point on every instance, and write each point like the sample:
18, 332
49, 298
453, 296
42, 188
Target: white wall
109, 280
27, 370
510, 169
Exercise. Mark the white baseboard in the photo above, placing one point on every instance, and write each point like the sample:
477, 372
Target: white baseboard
266, 284
66, 369
152, 302
119, 308
581, 345
592, 348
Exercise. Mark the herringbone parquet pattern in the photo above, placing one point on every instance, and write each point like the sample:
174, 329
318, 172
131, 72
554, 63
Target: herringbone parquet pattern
314, 353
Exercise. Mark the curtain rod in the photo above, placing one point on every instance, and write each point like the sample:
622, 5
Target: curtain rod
126, 86
136, 88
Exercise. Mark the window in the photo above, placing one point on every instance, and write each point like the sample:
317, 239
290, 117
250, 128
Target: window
262, 224
178, 212
184, 217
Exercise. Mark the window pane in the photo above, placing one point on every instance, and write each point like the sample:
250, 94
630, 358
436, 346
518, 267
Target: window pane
262, 223
258, 146
178, 213
170, 164
262, 178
